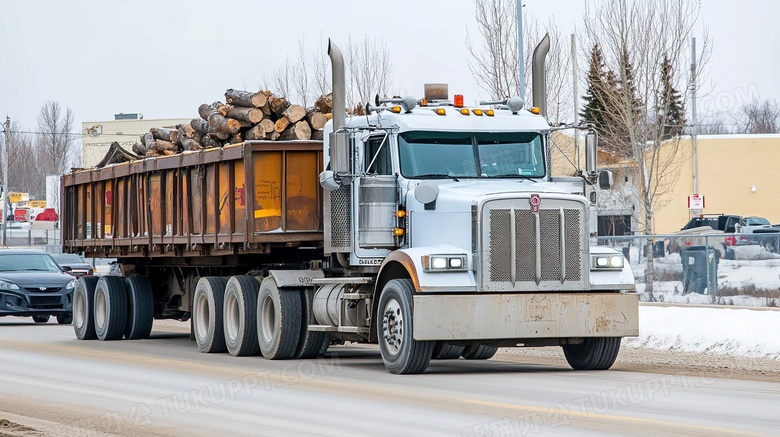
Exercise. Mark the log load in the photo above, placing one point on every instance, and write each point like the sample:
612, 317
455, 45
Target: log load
245, 116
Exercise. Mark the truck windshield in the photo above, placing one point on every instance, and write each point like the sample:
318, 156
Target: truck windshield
471, 154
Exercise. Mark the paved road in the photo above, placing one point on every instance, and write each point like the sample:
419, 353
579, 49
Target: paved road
164, 386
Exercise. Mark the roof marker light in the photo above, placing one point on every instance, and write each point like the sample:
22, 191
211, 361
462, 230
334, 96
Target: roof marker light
490, 112
535, 110
458, 101
477, 111
464, 111
440, 111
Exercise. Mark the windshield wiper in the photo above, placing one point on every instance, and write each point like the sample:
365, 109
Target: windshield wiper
515, 175
435, 176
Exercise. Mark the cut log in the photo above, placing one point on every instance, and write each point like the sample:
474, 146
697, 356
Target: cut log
190, 132
250, 115
281, 124
177, 135
209, 142
223, 109
148, 140
204, 110
324, 104
235, 139
139, 149
273, 135
200, 125
316, 119
267, 125
298, 131
317, 134
219, 123
278, 105
245, 98
161, 134
255, 133
168, 152
190, 144
161, 146
294, 113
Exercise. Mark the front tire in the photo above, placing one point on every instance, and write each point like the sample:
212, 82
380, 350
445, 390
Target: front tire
240, 311
595, 353
110, 308
83, 302
140, 308
401, 353
207, 314
278, 320
65, 319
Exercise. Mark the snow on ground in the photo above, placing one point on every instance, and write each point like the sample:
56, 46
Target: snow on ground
738, 332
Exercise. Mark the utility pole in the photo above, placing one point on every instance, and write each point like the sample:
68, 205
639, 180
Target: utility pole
7, 129
694, 126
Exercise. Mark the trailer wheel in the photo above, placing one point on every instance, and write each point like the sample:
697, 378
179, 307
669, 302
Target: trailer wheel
479, 352
83, 301
444, 351
240, 311
207, 314
310, 343
110, 308
140, 308
595, 353
401, 353
278, 320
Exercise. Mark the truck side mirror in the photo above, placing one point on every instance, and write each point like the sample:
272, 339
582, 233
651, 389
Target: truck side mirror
605, 179
591, 151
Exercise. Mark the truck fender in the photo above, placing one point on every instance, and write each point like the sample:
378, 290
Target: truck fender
295, 278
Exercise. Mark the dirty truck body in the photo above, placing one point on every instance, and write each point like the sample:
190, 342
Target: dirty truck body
435, 231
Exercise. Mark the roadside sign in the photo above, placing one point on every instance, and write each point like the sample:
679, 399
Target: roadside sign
16, 197
37, 204
696, 201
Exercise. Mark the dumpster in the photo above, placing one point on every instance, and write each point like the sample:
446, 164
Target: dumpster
700, 269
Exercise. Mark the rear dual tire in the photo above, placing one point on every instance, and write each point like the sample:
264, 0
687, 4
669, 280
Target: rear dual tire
83, 303
239, 313
110, 308
207, 310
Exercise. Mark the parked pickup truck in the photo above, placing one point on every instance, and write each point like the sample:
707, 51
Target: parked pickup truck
757, 230
742, 230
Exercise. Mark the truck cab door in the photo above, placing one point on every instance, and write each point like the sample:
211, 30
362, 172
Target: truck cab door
377, 195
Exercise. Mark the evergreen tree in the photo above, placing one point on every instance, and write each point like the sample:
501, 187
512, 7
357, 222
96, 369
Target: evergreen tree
594, 109
671, 110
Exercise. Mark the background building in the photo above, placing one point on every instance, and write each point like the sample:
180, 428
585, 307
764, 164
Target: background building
125, 129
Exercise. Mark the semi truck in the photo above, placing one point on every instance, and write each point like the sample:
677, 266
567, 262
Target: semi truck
428, 227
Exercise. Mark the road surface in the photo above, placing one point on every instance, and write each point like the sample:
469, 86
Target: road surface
52, 384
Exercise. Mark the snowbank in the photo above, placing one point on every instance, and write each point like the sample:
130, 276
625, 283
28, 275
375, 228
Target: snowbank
739, 332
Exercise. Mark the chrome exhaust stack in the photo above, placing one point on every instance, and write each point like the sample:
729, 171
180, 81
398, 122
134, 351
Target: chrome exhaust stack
539, 85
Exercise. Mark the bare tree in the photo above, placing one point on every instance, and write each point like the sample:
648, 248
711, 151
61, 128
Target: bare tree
759, 117
494, 60
24, 162
56, 145
369, 71
637, 37
321, 74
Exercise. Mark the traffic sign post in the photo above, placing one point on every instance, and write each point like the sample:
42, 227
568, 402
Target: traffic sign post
696, 202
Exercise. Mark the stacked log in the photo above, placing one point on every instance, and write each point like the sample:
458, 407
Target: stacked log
244, 116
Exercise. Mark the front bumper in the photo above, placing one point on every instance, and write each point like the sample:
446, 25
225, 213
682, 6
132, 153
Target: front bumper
525, 316
20, 303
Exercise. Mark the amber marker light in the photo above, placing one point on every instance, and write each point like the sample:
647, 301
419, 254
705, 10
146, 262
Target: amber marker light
465, 111
440, 111
477, 111
400, 213
423, 102
396, 109
398, 232
535, 110
490, 113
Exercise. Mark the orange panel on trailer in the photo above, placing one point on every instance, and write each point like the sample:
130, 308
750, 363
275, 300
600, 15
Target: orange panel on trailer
301, 200
195, 196
240, 200
120, 227
107, 201
225, 187
155, 199
88, 212
268, 190
211, 191
169, 200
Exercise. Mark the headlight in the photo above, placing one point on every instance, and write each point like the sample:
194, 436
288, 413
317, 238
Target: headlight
71, 284
444, 263
5, 285
606, 262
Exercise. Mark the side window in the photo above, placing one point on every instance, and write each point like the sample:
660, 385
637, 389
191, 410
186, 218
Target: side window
382, 164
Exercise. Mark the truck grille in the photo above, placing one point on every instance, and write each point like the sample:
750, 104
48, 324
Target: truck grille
523, 250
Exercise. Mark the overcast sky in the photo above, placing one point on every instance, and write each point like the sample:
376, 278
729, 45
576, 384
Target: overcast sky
163, 58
